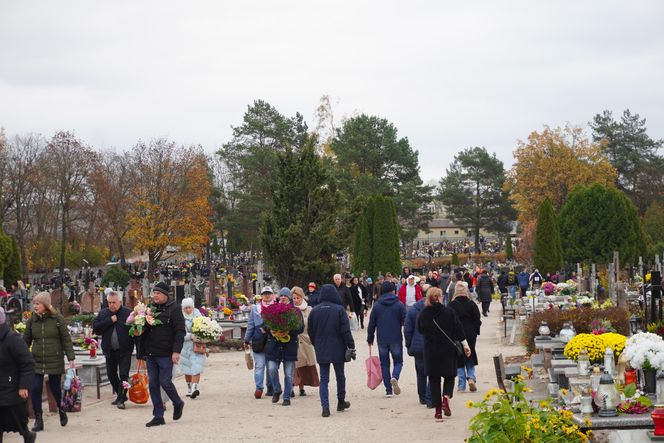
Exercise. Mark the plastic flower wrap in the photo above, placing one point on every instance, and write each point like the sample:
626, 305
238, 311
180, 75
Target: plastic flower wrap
141, 316
19, 327
645, 350
205, 329
282, 318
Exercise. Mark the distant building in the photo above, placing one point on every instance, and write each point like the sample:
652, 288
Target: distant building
442, 229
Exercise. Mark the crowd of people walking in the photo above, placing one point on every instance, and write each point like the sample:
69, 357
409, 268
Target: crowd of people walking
435, 315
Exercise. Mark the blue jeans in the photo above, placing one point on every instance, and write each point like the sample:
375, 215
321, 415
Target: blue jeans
325, 381
273, 375
160, 373
259, 371
512, 291
466, 373
384, 351
423, 389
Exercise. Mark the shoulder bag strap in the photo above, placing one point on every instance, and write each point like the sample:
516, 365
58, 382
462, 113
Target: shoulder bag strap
446, 336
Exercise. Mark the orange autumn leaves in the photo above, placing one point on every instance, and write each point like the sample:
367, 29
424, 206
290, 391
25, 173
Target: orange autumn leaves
550, 164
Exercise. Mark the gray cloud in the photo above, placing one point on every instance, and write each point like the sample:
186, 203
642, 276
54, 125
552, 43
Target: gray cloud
448, 76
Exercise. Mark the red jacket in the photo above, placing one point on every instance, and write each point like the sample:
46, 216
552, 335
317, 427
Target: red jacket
402, 293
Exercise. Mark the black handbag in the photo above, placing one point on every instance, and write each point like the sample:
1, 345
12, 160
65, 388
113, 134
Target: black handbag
456, 343
259, 345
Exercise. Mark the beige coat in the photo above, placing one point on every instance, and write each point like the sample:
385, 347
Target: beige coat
306, 356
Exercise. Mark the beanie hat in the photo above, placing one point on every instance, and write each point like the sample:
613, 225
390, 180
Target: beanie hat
285, 292
187, 302
43, 298
386, 287
161, 287
2, 316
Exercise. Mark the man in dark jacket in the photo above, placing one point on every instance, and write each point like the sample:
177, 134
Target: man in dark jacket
312, 295
160, 346
344, 293
415, 346
484, 291
329, 331
17, 371
116, 344
524, 282
387, 316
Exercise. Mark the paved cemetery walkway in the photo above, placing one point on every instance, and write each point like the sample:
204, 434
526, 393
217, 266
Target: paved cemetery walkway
227, 411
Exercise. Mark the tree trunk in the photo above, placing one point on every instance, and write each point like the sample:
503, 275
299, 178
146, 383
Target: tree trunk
121, 251
151, 264
477, 239
63, 239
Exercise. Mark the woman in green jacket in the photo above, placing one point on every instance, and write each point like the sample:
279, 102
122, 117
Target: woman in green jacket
48, 336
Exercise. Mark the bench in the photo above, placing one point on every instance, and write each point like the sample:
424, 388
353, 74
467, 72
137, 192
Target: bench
505, 375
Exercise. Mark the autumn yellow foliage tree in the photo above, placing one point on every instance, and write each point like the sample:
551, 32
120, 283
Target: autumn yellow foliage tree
170, 205
550, 164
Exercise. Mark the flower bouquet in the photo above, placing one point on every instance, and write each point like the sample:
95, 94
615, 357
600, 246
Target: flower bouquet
141, 316
20, 327
636, 401
205, 329
548, 288
645, 350
281, 318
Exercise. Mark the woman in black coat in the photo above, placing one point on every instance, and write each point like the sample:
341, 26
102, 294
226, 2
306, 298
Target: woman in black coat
440, 359
356, 294
17, 371
469, 317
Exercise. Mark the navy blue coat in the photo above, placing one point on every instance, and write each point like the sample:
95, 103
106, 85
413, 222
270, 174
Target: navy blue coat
278, 351
329, 329
313, 298
388, 315
103, 325
414, 339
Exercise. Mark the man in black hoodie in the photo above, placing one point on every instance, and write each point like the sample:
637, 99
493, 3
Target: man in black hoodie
160, 346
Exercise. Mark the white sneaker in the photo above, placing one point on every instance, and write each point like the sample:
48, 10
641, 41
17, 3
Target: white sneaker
395, 386
188, 389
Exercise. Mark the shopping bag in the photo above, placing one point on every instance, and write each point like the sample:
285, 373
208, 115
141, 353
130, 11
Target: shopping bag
73, 392
138, 392
374, 373
249, 360
354, 323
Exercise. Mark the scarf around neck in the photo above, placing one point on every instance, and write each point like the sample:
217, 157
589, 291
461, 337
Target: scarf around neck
303, 306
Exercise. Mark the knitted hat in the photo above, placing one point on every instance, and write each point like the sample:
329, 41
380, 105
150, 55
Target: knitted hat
386, 287
2, 316
461, 289
43, 298
161, 287
187, 302
285, 292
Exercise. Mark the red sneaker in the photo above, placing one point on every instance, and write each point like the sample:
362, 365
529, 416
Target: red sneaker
438, 416
446, 407
258, 394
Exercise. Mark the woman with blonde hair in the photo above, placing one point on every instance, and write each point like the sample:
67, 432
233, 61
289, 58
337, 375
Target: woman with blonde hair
305, 367
440, 327
47, 333
469, 316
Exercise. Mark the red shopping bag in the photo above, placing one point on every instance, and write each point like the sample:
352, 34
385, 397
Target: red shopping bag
138, 393
374, 373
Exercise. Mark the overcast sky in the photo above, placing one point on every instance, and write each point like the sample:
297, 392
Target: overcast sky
449, 76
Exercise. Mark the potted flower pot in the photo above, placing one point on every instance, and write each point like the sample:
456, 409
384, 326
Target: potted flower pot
658, 418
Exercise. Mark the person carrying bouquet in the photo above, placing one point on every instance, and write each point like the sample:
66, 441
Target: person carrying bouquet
160, 345
191, 363
256, 338
284, 326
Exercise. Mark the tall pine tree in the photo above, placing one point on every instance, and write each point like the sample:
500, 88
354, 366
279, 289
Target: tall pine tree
299, 236
386, 252
548, 250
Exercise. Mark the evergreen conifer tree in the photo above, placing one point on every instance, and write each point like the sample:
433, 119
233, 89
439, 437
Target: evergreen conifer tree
386, 253
548, 254
299, 236
13, 270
